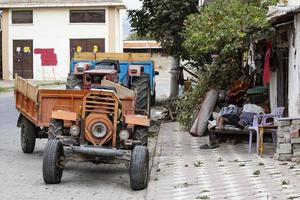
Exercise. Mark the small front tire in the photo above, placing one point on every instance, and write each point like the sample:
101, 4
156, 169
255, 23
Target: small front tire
53, 163
139, 168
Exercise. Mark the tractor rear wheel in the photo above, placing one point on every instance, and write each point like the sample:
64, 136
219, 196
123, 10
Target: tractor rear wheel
74, 82
55, 128
53, 163
141, 85
139, 168
141, 134
28, 135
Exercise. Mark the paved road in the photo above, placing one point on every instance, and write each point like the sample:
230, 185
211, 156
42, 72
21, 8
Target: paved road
21, 174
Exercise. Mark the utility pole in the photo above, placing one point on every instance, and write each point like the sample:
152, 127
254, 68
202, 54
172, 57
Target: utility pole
174, 80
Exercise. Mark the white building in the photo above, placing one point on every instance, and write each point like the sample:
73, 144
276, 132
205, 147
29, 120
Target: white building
285, 78
40, 37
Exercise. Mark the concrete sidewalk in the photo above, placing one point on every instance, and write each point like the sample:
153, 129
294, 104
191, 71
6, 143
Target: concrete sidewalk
183, 171
6, 84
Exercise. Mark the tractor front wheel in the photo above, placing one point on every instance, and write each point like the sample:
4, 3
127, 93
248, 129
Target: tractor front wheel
53, 163
141, 134
74, 82
28, 135
139, 168
55, 128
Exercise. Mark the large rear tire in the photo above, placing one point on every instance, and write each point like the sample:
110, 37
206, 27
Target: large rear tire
53, 163
139, 168
55, 128
141, 134
141, 85
28, 135
74, 82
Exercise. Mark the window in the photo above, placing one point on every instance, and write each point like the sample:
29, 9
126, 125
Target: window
22, 17
87, 16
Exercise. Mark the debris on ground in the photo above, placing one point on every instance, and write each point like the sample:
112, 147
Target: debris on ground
261, 164
170, 108
285, 182
220, 159
203, 197
242, 165
198, 163
256, 172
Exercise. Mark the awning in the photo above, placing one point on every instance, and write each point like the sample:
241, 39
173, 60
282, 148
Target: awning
280, 11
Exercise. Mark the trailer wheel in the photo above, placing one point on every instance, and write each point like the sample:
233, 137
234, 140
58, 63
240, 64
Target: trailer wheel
28, 135
141, 85
74, 82
139, 168
55, 128
53, 163
141, 134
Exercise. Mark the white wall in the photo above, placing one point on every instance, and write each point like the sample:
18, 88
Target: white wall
293, 2
294, 66
51, 29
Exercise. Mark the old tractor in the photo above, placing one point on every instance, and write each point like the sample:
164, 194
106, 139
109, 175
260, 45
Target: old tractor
135, 71
97, 125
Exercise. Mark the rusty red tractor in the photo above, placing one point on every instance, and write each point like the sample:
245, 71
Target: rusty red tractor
97, 125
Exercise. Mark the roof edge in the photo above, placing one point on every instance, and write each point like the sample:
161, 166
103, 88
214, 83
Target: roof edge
62, 5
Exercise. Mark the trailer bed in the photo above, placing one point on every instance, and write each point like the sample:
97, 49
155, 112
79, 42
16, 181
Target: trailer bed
37, 104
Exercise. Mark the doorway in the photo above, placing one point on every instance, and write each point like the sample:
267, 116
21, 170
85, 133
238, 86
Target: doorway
283, 79
23, 58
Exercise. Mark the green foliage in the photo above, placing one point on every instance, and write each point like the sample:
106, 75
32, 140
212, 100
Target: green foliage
220, 30
221, 27
164, 20
136, 36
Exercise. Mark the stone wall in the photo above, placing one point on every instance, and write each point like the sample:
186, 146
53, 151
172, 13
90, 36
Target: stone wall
288, 139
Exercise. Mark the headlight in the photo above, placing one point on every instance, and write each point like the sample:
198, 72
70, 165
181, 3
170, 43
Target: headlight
99, 130
74, 130
124, 135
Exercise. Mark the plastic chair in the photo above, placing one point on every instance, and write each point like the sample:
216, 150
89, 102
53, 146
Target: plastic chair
261, 120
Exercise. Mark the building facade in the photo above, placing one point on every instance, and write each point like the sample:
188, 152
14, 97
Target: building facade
161, 59
39, 39
285, 77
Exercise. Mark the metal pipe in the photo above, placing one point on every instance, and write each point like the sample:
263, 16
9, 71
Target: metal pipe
94, 151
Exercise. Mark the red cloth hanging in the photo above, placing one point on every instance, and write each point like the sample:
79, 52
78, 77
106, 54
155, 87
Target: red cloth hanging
267, 71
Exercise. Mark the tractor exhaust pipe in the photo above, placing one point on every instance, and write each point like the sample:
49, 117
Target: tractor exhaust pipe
94, 151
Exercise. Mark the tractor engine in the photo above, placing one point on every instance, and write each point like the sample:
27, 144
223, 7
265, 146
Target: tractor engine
100, 114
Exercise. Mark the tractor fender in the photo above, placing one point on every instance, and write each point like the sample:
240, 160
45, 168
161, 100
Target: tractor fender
134, 119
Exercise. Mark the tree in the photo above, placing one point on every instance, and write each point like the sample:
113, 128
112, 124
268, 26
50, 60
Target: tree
215, 38
221, 28
164, 20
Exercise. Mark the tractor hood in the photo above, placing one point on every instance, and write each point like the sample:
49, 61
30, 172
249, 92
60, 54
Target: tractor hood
101, 71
